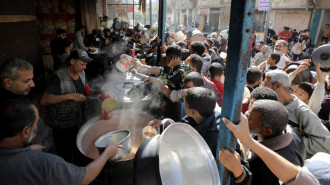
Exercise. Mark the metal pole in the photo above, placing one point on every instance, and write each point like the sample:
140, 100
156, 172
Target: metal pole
263, 28
150, 11
161, 25
240, 28
268, 18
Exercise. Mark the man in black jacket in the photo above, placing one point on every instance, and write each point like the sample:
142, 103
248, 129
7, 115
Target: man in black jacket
199, 105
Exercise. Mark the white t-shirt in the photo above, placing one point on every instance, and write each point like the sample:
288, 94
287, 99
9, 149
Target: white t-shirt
281, 63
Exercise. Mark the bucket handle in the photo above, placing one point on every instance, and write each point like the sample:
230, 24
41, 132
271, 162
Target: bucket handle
163, 123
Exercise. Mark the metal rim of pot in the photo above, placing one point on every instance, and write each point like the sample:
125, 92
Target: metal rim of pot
151, 164
126, 142
322, 55
84, 147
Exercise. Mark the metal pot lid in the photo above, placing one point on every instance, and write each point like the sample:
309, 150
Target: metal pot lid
128, 119
185, 158
322, 55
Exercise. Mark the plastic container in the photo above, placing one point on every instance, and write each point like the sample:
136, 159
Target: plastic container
148, 132
124, 63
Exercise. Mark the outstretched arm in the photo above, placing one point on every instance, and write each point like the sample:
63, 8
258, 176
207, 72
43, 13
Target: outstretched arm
281, 167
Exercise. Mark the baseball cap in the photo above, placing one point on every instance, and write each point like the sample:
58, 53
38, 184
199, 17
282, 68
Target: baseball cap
81, 55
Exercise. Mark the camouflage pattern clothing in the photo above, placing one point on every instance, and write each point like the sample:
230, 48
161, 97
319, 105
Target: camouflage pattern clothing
173, 76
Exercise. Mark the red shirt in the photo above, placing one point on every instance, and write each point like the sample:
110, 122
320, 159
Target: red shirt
284, 34
218, 88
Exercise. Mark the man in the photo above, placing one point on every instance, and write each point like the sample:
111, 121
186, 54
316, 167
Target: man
268, 120
270, 34
273, 60
315, 135
281, 47
216, 73
285, 171
93, 39
199, 106
56, 44
64, 99
273, 41
78, 39
300, 45
16, 77
171, 75
253, 78
196, 63
16, 82
325, 33
199, 49
21, 165
285, 34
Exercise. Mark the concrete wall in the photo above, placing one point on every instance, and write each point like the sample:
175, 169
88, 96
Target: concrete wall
323, 4
297, 19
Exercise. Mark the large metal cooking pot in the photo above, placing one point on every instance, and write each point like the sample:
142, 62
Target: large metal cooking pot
178, 156
321, 55
128, 119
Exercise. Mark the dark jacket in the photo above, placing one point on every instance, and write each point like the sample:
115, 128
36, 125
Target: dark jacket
207, 129
66, 114
289, 145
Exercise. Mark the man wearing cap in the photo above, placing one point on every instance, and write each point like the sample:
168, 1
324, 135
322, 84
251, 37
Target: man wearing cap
65, 99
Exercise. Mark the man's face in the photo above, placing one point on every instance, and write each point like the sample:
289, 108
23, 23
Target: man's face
269, 60
78, 66
279, 47
268, 83
189, 112
22, 84
255, 125
62, 36
307, 33
188, 85
302, 95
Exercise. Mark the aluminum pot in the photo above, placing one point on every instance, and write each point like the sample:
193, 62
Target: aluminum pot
321, 55
128, 119
119, 137
179, 155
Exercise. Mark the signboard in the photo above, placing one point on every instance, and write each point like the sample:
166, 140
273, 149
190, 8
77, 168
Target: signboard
123, 10
204, 11
263, 5
260, 36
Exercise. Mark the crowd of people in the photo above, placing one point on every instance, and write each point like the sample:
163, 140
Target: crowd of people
284, 129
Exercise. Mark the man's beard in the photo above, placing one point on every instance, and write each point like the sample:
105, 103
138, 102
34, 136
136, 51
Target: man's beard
32, 136
256, 131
